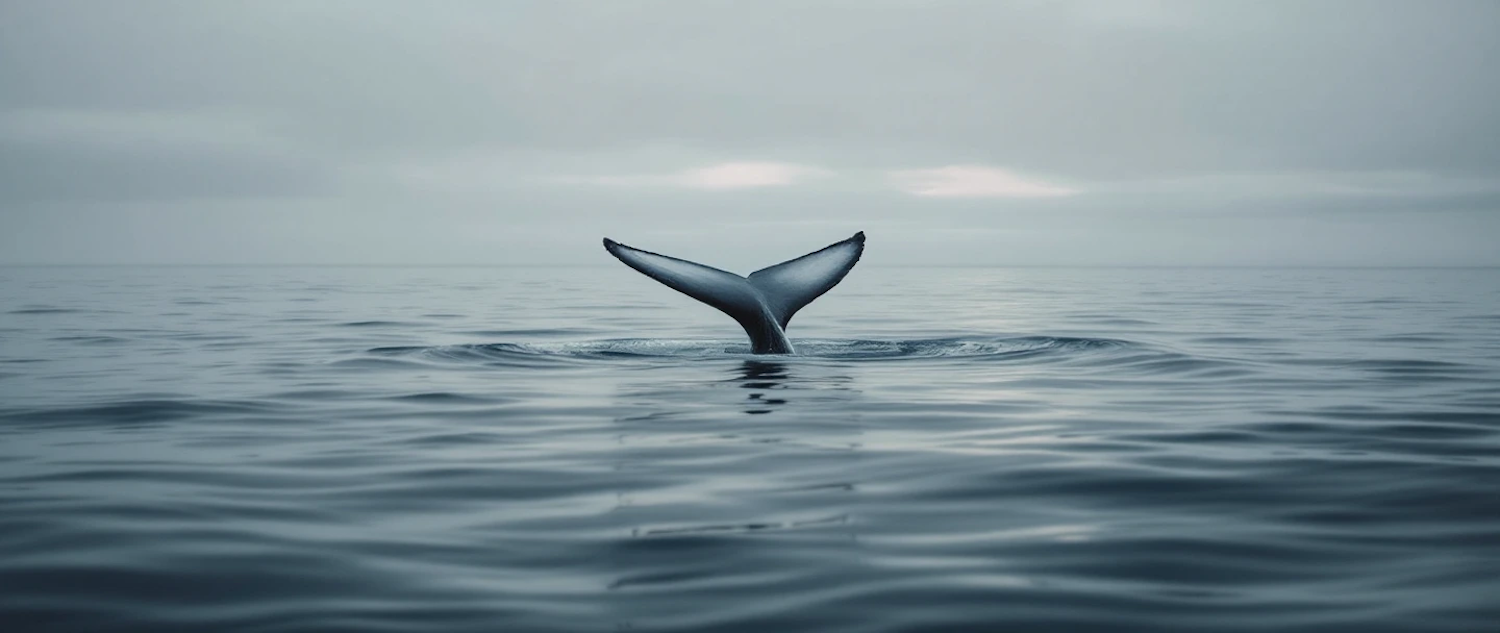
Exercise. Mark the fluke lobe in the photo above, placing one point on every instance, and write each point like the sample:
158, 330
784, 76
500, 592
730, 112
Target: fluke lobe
762, 303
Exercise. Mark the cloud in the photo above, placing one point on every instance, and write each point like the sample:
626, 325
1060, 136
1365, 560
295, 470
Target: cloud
1094, 89
87, 155
1311, 185
380, 121
723, 176
974, 181
136, 127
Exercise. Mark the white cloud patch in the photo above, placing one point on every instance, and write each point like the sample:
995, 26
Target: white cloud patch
974, 181
723, 176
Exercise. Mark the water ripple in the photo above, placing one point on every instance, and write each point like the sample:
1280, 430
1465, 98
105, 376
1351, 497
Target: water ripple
996, 348
951, 450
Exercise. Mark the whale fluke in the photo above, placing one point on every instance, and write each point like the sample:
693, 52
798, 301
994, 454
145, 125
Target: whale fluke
762, 303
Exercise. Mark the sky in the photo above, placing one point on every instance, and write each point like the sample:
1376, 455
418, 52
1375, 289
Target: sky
975, 133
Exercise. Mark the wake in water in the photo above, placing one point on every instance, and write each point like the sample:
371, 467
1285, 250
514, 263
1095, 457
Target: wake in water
1080, 353
998, 348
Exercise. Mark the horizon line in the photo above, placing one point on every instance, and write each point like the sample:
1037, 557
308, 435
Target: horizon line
882, 266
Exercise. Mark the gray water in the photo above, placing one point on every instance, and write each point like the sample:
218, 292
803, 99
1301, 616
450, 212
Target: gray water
535, 449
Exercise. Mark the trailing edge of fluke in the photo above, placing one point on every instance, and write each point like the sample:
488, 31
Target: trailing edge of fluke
763, 303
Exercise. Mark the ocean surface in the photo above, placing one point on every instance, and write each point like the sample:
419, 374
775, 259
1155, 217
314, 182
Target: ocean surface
581, 449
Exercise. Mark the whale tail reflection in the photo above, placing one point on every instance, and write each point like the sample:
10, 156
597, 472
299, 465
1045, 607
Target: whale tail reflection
764, 379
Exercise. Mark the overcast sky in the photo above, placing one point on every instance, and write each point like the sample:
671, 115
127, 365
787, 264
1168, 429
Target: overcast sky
1108, 132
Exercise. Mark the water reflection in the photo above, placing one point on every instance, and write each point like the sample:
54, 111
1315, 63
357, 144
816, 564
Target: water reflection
764, 377
745, 387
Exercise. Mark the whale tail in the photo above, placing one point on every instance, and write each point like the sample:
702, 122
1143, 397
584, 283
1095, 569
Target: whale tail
763, 303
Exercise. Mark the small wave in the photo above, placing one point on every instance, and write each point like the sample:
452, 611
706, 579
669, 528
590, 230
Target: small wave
90, 340
1412, 366
998, 348
530, 333
441, 397
43, 310
130, 413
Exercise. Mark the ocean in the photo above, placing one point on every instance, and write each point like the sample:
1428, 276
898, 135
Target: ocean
581, 449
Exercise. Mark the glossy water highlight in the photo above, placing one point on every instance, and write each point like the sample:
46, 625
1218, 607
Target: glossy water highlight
289, 449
